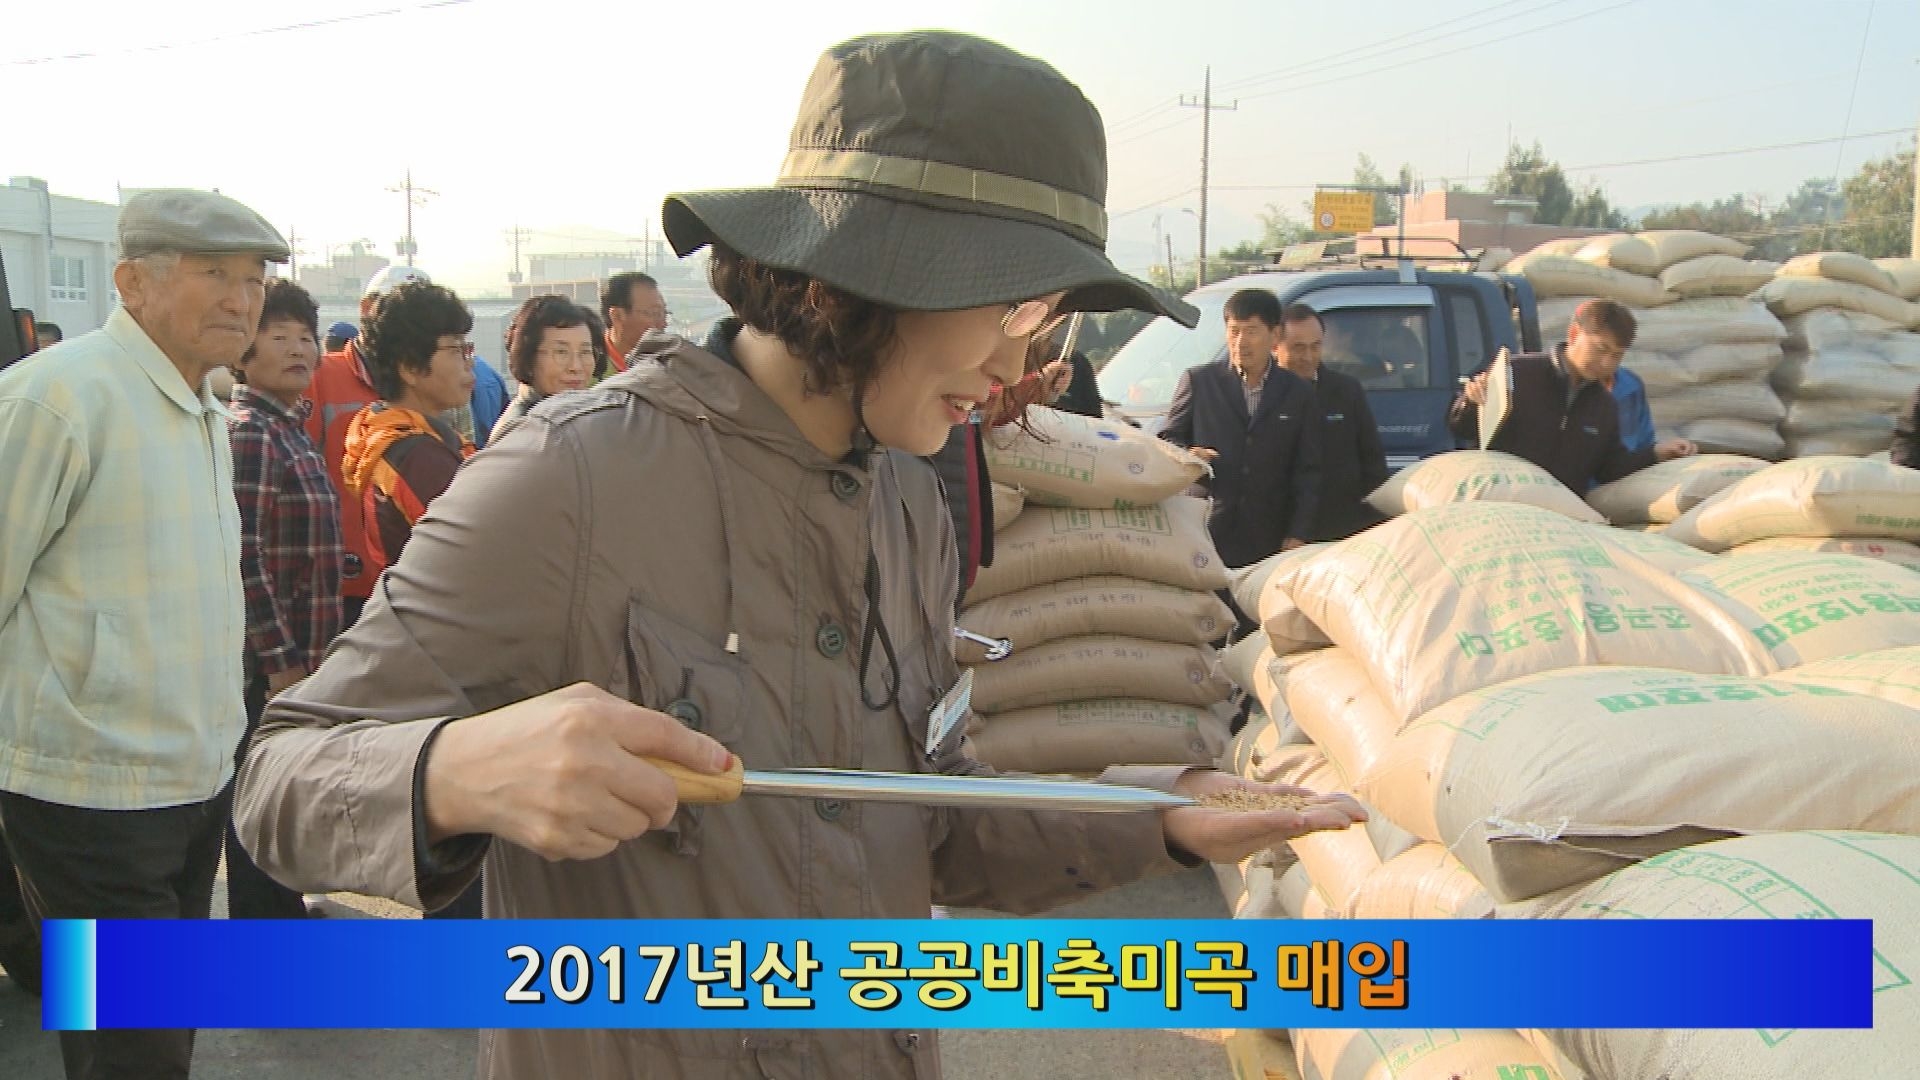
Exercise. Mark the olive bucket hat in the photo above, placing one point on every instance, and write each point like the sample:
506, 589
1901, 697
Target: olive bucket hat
933, 171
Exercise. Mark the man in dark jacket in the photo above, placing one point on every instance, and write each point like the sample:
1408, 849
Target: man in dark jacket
1906, 436
1258, 425
1561, 416
1352, 461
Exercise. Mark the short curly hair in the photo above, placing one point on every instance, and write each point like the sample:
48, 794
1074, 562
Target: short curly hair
530, 324
405, 329
839, 337
286, 300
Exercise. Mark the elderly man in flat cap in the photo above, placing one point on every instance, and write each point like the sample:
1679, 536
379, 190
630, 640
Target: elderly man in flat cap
121, 614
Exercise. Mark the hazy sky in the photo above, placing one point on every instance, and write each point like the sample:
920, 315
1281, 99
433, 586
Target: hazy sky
573, 117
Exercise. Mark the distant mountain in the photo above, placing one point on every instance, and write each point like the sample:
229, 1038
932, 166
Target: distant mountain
1639, 213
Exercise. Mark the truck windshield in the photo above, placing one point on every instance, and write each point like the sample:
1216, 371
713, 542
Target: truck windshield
1146, 369
1384, 348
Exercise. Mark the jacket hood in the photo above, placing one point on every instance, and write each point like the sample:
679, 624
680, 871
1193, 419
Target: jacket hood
371, 431
680, 378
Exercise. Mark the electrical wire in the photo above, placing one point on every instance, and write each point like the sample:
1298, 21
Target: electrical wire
311, 24
1840, 151
1142, 115
1155, 204
1184, 119
1445, 53
1347, 56
1704, 154
1795, 230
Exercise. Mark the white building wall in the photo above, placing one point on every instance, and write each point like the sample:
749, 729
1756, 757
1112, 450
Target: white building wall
77, 294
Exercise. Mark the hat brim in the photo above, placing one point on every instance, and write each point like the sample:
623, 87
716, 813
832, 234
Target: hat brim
908, 256
135, 249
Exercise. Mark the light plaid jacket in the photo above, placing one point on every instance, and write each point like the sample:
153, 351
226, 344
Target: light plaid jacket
121, 614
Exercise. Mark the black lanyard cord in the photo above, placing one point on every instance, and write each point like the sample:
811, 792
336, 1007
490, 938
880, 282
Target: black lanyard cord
877, 628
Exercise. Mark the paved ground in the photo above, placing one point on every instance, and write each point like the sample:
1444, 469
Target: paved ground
27, 1053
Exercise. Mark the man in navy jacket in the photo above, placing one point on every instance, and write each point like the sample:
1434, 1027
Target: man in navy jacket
1258, 425
1561, 416
1353, 463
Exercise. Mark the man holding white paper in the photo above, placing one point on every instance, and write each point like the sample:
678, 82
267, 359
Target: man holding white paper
1559, 412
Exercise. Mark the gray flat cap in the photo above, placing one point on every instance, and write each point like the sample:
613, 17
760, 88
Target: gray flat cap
197, 223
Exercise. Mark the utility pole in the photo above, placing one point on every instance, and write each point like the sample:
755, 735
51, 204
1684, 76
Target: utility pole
293, 254
1913, 241
416, 196
517, 235
1156, 244
1206, 107
1169, 261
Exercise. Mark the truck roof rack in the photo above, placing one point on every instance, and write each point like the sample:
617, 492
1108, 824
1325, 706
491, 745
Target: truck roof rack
1373, 253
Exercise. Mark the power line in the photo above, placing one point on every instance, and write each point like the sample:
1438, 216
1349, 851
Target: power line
1346, 56
1448, 52
1149, 134
1701, 155
1794, 230
1266, 187
1144, 114
1704, 154
1839, 153
311, 24
1154, 204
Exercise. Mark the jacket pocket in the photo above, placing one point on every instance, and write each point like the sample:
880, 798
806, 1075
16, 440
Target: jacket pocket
674, 670
106, 680
87, 651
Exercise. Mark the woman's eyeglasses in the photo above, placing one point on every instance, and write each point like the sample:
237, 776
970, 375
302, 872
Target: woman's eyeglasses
1031, 318
566, 357
465, 348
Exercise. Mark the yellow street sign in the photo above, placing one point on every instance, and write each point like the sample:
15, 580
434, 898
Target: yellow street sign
1343, 211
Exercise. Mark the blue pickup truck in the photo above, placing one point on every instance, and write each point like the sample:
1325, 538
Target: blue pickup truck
1409, 329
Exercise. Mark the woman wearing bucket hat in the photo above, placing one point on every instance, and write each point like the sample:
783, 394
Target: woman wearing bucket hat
736, 549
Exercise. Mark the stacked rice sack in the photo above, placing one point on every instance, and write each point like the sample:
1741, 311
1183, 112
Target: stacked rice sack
1703, 350
1824, 504
1656, 496
1536, 709
1792, 875
1851, 359
1105, 582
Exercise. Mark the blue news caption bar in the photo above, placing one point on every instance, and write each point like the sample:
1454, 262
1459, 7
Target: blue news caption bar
960, 974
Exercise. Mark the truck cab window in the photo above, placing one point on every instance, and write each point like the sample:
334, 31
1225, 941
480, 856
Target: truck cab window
1384, 348
1469, 337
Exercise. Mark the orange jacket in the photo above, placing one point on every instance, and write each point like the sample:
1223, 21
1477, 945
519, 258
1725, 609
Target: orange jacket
616, 362
340, 389
372, 480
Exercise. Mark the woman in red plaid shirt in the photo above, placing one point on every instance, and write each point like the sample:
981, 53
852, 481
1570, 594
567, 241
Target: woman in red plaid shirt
290, 549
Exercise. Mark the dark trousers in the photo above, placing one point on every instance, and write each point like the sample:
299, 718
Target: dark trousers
19, 937
77, 863
251, 894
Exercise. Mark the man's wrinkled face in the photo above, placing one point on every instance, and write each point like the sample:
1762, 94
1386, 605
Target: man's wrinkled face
646, 310
1300, 345
202, 311
1594, 355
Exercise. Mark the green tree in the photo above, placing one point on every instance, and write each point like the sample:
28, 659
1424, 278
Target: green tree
1731, 216
1386, 208
1796, 226
1878, 208
1529, 173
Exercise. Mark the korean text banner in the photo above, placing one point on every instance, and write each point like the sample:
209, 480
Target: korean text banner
959, 974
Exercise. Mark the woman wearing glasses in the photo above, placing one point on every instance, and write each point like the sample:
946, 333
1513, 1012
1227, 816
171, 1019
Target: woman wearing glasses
735, 548
550, 350
399, 454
